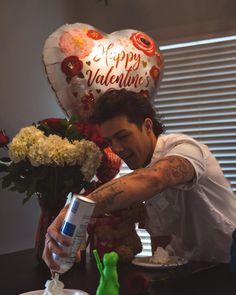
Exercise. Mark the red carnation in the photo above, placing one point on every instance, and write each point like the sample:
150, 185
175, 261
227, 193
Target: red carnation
71, 66
53, 123
94, 34
137, 283
4, 139
155, 72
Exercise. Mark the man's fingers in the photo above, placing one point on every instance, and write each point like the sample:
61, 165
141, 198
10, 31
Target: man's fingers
47, 254
49, 261
55, 242
53, 246
54, 230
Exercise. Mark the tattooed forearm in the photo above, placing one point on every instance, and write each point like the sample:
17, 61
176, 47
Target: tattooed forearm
107, 195
141, 184
175, 170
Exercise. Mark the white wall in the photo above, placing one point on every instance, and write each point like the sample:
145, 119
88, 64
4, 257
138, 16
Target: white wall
25, 95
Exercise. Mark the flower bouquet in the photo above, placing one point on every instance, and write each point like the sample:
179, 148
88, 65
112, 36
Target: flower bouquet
52, 158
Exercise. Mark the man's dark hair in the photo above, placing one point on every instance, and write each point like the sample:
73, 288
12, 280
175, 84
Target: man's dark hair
131, 104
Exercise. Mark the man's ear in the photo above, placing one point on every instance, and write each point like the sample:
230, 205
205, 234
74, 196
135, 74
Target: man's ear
148, 125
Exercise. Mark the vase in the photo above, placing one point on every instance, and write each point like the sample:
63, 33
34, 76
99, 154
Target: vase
49, 212
111, 233
108, 242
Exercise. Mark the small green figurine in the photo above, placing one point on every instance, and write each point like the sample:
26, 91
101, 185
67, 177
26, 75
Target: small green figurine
108, 284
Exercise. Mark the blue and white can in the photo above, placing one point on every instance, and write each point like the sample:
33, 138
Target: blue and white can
75, 226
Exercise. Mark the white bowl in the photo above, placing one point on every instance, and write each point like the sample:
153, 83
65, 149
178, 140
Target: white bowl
66, 292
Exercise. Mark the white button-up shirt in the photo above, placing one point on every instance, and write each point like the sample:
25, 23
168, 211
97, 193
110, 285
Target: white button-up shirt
200, 215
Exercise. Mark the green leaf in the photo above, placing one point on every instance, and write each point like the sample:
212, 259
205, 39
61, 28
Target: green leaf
47, 130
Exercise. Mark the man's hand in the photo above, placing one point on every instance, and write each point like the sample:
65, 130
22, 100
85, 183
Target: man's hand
53, 237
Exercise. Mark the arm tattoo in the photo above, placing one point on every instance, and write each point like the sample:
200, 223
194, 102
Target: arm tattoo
106, 195
176, 169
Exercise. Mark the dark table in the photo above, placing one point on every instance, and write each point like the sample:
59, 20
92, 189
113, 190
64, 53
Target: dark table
20, 272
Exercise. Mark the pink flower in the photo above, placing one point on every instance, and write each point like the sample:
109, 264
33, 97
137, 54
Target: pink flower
76, 42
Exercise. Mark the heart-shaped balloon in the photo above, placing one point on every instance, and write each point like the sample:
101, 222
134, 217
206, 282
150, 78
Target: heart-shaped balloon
82, 63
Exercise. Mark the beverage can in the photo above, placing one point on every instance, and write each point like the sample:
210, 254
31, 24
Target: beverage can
75, 226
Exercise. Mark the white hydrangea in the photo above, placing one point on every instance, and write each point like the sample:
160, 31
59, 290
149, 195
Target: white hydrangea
38, 153
78, 153
57, 150
21, 143
31, 143
92, 159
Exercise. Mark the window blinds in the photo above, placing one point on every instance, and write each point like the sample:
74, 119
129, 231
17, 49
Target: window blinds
197, 96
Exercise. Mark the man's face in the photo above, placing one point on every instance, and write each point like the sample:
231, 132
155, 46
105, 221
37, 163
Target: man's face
132, 144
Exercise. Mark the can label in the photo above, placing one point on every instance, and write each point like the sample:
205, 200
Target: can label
75, 226
68, 229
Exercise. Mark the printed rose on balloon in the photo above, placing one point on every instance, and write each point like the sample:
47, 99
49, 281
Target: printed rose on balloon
82, 62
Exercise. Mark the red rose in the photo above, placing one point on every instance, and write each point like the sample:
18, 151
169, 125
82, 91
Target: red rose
92, 132
143, 42
53, 123
4, 139
137, 283
94, 34
155, 73
71, 66
109, 167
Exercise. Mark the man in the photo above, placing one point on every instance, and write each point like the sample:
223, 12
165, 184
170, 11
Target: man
189, 202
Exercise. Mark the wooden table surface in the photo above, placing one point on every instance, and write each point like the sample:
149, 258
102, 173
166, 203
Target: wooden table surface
20, 272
